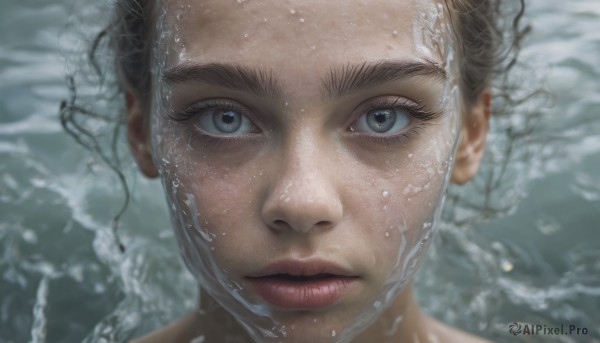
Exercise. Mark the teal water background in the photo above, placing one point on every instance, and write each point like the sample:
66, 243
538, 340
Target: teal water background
63, 280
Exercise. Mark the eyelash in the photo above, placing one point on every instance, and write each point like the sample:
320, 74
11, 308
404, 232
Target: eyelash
198, 109
418, 112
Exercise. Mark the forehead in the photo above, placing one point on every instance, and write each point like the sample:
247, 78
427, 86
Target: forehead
310, 33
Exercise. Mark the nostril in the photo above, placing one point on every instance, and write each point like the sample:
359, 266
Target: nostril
282, 225
279, 222
323, 223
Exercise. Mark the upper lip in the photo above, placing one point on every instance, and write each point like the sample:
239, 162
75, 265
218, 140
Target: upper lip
302, 268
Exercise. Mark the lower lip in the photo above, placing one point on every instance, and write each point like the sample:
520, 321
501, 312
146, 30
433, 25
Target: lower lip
302, 294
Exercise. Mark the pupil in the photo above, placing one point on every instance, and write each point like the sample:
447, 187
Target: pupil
381, 117
381, 120
228, 117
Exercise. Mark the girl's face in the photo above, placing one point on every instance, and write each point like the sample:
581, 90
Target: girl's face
304, 147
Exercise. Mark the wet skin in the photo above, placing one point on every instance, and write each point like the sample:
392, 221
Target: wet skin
320, 134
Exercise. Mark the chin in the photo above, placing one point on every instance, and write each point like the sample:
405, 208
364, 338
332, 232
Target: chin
339, 326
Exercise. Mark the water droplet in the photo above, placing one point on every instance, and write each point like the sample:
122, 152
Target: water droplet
286, 103
301, 20
245, 35
332, 333
315, 320
387, 234
314, 47
410, 155
30, 237
395, 32
386, 194
507, 266
292, 11
548, 225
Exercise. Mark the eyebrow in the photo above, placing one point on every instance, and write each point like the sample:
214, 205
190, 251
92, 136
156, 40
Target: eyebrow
340, 81
354, 77
236, 77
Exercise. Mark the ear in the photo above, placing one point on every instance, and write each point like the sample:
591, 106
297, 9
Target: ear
472, 145
138, 134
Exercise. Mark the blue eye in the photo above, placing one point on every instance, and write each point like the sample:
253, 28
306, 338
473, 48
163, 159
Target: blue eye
219, 121
383, 120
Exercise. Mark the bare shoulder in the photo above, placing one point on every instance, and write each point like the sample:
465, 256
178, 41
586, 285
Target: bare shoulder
447, 334
183, 330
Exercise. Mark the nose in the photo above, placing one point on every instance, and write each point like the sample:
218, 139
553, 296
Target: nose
303, 195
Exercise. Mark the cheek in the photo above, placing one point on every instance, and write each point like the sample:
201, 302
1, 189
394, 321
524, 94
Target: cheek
400, 204
399, 225
225, 207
